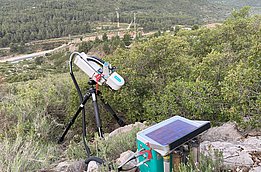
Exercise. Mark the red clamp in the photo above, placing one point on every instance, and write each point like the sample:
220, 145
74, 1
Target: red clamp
147, 151
98, 78
149, 157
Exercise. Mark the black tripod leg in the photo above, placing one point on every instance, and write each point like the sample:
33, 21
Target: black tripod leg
86, 97
96, 113
111, 111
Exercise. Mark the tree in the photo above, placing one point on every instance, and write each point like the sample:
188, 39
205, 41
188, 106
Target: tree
39, 60
242, 13
127, 39
17, 48
105, 37
106, 48
86, 46
195, 27
97, 40
241, 94
3, 42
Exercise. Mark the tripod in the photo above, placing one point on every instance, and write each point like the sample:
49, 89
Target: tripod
92, 92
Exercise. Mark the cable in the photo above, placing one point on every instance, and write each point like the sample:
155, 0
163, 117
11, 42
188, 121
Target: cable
84, 135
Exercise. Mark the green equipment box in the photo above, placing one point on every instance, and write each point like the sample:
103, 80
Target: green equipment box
159, 141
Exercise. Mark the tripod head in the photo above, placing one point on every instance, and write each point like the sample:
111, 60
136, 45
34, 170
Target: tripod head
91, 82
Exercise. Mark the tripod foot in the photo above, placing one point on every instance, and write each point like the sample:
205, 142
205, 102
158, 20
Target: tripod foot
60, 141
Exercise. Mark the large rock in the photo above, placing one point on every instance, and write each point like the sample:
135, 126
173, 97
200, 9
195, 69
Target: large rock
75, 166
127, 128
70, 166
226, 132
251, 144
92, 167
256, 169
240, 154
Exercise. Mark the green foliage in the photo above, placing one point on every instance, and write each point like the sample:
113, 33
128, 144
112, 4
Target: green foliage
36, 68
204, 74
108, 46
17, 48
195, 27
127, 39
104, 37
22, 21
21, 155
242, 13
30, 142
206, 164
241, 91
108, 149
86, 46
201, 74
190, 99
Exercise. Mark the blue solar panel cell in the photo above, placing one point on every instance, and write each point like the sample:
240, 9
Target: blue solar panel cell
171, 132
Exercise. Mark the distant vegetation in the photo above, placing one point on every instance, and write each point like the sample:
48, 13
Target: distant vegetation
23, 21
239, 3
209, 74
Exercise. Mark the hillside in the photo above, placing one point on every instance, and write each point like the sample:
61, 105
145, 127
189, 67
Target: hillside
238, 3
23, 21
254, 4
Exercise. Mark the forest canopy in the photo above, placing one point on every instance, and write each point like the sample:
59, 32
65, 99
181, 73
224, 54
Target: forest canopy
23, 21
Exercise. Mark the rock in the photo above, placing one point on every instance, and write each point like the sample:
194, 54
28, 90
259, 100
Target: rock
235, 154
256, 169
127, 128
252, 144
93, 167
239, 153
68, 166
242, 159
226, 132
227, 149
77, 166
124, 157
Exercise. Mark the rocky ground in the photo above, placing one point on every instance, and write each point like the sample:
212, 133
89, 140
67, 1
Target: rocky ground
241, 152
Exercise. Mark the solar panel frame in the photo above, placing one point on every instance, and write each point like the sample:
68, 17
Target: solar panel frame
164, 149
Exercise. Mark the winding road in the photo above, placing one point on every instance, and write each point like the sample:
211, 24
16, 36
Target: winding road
62, 47
29, 56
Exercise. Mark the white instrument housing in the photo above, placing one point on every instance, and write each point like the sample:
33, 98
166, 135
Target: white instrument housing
93, 67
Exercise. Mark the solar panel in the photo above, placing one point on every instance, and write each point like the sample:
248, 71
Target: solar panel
171, 133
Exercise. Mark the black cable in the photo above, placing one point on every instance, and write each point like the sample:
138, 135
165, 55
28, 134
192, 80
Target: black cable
88, 152
84, 135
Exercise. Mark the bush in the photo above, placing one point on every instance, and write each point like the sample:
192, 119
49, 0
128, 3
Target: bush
201, 74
